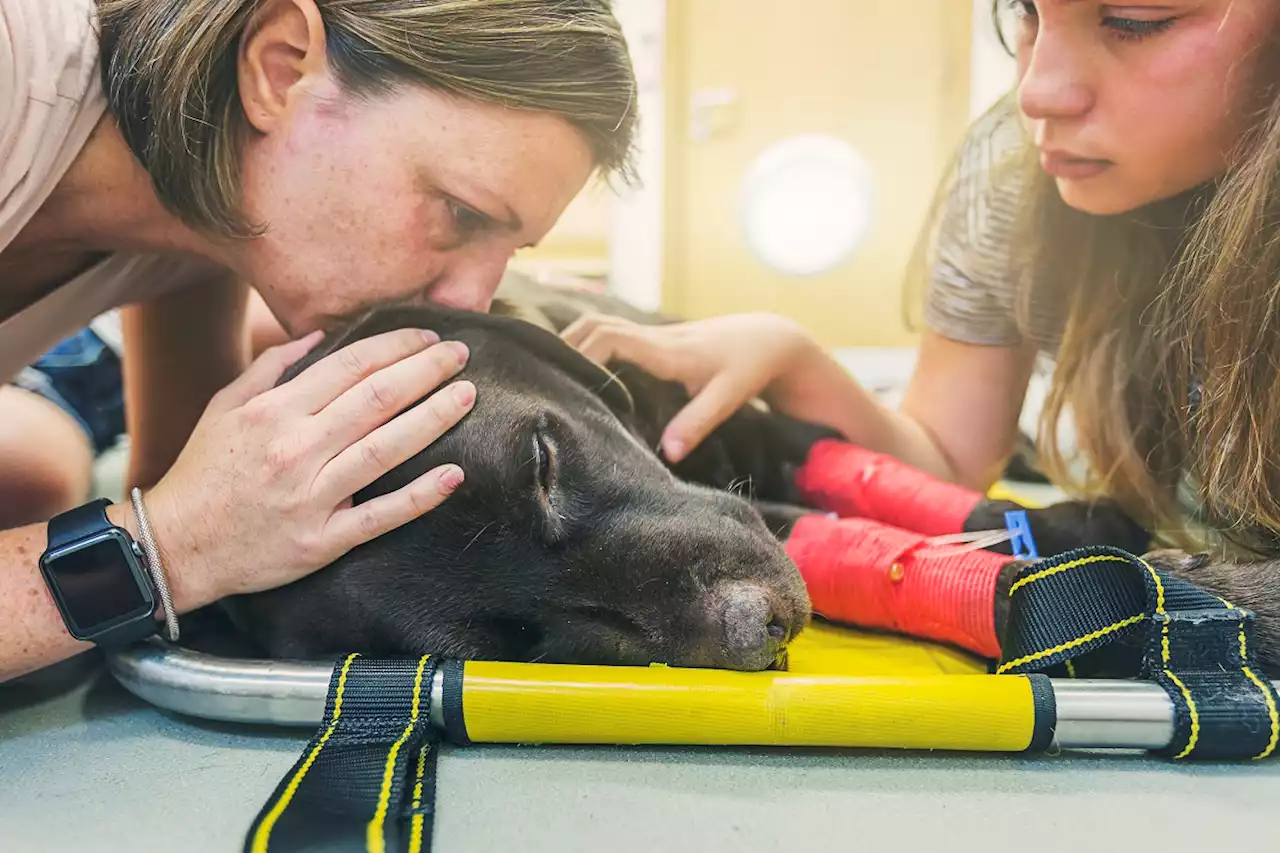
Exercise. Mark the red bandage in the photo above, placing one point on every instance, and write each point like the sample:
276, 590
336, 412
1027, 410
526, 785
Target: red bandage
856, 483
864, 573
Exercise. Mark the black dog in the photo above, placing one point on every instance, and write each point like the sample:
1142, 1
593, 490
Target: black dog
571, 540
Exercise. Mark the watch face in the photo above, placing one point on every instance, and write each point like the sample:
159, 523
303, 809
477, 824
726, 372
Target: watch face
97, 582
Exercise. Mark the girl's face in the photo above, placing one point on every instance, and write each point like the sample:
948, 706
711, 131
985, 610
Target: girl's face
1130, 103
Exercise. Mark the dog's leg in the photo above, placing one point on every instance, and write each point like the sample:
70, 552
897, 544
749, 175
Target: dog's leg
1065, 525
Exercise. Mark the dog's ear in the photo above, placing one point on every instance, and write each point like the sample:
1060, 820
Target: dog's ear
372, 322
549, 346
517, 329
518, 310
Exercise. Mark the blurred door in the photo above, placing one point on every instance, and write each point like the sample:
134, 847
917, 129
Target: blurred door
890, 78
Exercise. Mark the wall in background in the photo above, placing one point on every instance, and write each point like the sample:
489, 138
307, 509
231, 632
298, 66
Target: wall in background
612, 231
618, 232
635, 235
745, 75
992, 70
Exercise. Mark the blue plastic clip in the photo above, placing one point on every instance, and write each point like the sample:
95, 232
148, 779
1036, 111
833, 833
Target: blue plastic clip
1020, 528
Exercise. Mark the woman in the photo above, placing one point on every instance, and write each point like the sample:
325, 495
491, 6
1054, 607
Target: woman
153, 153
1118, 213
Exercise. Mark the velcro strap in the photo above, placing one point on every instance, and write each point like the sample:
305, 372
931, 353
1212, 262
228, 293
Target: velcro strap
1102, 609
365, 782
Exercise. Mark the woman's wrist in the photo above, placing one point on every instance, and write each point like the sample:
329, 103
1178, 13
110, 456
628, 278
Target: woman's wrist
189, 587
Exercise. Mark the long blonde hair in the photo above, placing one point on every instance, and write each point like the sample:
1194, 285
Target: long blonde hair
169, 70
1153, 308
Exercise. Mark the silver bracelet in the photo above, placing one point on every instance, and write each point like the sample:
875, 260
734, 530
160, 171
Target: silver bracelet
154, 566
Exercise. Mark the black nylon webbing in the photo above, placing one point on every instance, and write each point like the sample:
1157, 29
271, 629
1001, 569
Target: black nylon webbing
1103, 609
365, 782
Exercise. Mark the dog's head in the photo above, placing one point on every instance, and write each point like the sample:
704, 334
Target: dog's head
569, 541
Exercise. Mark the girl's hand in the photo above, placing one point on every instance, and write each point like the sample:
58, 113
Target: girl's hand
723, 362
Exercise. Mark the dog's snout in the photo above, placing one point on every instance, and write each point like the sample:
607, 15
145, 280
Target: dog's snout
755, 627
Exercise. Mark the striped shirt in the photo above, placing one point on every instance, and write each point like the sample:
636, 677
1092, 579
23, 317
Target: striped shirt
971, 294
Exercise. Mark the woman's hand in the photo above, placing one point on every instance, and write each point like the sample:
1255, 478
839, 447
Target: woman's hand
262, 493
723, 362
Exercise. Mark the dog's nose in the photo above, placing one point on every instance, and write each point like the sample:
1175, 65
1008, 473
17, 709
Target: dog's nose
755, 628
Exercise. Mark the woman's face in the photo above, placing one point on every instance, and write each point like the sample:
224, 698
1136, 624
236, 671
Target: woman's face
406, 195
1134, 102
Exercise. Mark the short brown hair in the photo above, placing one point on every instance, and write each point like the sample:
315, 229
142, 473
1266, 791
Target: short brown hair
169, 71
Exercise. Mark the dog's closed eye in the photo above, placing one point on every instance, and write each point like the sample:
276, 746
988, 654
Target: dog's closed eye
546, 471
545, 451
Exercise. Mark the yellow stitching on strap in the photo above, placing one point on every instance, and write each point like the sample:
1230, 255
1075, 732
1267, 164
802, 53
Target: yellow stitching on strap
261, 837
1195, 715
1078, 641
1267, 695
1164, 655
1271, 712
1159, 586
415, 827
374, 839
1073, 564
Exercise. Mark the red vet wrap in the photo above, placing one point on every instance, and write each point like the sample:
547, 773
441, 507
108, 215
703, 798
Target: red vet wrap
854, 482
867, 574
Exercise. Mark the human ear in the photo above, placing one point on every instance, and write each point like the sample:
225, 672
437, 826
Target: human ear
283, 45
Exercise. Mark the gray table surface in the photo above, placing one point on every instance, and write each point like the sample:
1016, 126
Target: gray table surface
85, 766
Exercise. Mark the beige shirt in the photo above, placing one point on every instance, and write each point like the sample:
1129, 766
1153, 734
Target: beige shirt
50, 101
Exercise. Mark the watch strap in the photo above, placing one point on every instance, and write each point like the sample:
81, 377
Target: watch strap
78, 523
129, 633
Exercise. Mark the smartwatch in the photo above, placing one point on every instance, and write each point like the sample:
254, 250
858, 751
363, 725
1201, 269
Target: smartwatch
96, 574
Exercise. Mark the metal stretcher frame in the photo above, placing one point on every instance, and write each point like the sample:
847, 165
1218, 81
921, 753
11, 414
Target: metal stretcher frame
545, 703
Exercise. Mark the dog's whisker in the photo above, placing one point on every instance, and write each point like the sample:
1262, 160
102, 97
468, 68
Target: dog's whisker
612, 380
477, 536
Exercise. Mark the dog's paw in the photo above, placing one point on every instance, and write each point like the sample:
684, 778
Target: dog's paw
1065, 526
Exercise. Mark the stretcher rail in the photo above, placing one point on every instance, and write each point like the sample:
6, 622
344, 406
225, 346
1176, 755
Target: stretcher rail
1090, 713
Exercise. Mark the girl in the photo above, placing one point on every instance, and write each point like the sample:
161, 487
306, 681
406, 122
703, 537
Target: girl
155, 152
1119, 212
57, 418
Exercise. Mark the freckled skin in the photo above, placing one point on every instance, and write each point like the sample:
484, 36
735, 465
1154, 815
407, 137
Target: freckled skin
1166, 108
354, 196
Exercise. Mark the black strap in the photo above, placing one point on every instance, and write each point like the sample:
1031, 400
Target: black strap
78, 523
1101, 610
366, 781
